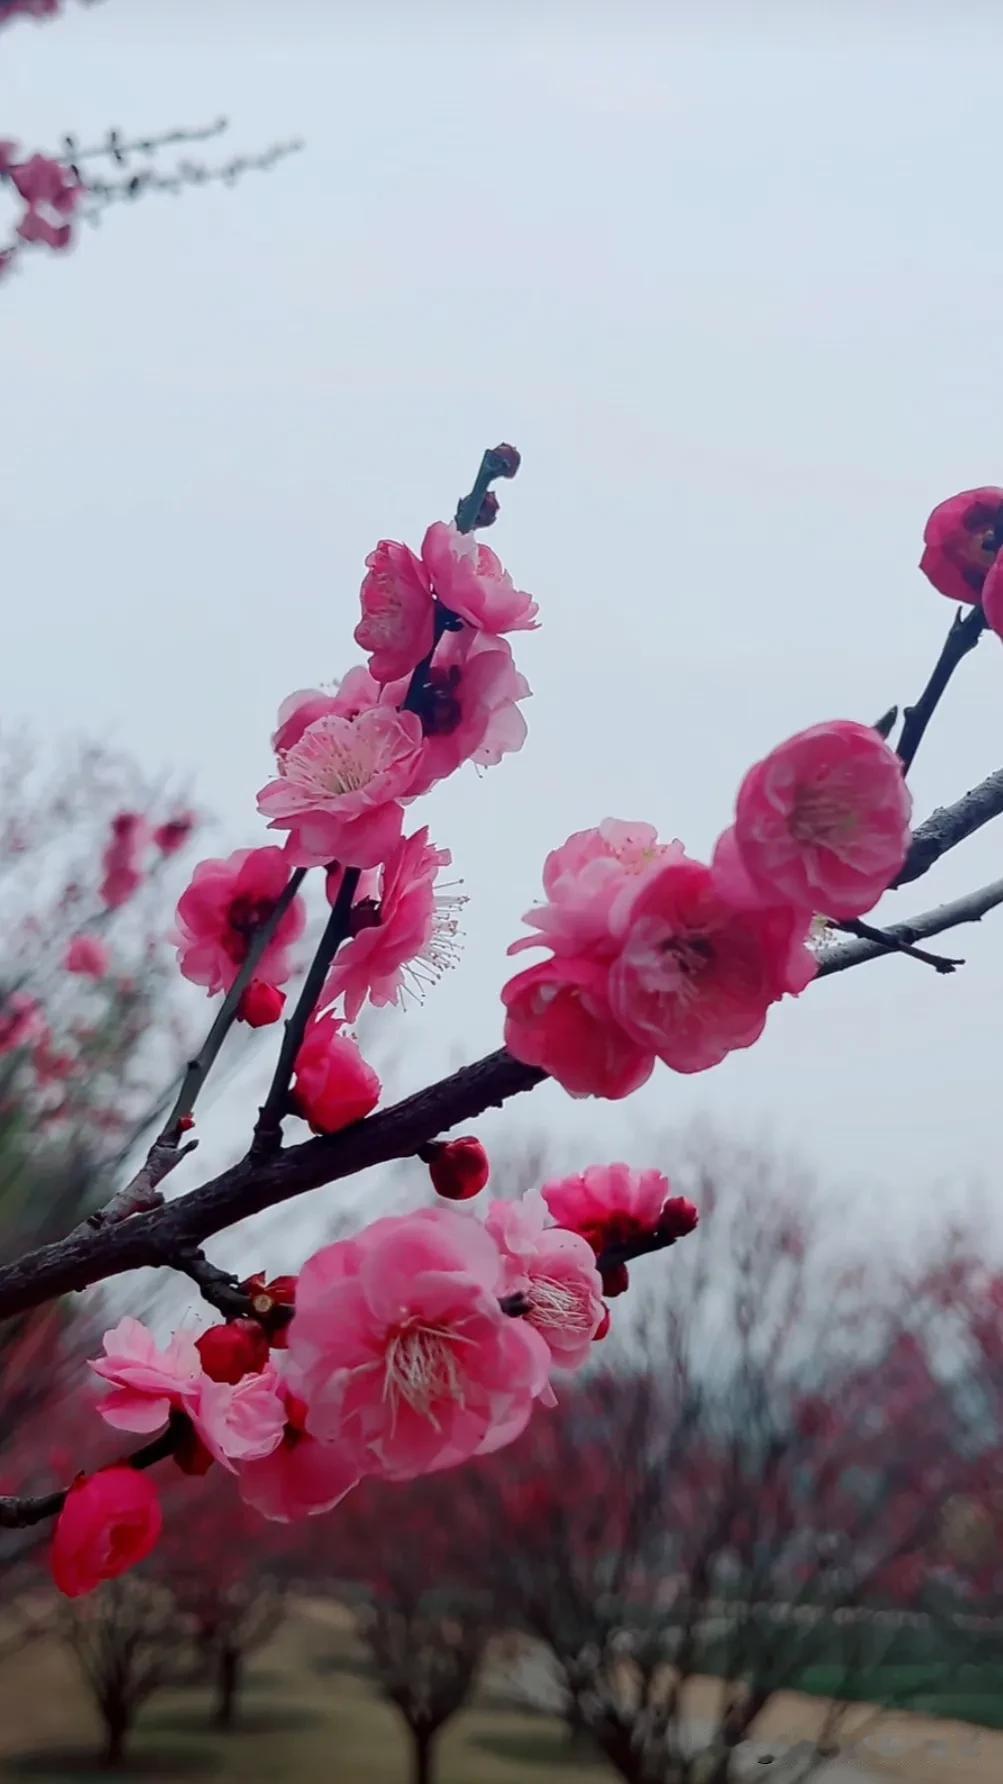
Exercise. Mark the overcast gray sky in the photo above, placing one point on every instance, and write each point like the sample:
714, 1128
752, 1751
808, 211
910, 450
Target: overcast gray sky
729, 277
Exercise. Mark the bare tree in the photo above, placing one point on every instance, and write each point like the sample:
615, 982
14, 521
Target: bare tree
129, 1639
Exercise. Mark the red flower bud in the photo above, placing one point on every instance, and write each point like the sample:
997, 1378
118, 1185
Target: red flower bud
261, 1004
232, 1351
615, 1280
487, 513
507, 460
679, 1216
185, 1124
459, 1169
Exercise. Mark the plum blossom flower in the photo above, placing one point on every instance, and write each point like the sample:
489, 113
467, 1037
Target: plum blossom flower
110, 1522
403, 1351
146, 1383
218, 914
51, 193
471, 582
240, 1421
468, 706
962, 538
822, 822
22, 1023
558, 1017
334, 1086
583, 879
397, 624
411, 940
356, 692
88, 956
122, 860
556, 1274
694, 978
172, 835
340, 785
609, 1204
300, 1478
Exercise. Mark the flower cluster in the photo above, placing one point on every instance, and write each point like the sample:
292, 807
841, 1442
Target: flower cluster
656, 956
426, 1339
50, 193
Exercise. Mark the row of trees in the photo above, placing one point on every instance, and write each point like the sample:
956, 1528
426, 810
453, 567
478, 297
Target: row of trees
720, 1497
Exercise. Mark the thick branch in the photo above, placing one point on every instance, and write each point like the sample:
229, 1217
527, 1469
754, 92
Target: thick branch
951, 824
970, 909
963, 637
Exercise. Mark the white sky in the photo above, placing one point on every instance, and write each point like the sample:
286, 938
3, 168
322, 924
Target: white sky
729, 277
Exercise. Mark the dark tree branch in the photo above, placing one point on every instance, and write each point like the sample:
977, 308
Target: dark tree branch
893, 944
969, 909
951, 824
963, 636
18, 1514
220, 1288
268, 1131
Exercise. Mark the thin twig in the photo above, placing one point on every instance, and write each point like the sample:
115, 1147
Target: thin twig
893, 944
18, 1513
268, 1130
220, 1288
969, 909
963, 636
951, 824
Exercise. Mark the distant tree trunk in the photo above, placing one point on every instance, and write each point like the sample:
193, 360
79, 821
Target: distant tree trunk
423, 1755
116, 1728
228, 1681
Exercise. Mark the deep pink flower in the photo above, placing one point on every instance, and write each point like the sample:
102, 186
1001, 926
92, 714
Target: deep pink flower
146, 1383
42, 181
405, 1355
609, 1204
961, 542
87, 956
339, 787
355, 693
110, 1522
22, 1023
411, 940
469, 710
695, 977
301, 1477
334, 1086
172, 835
397, 611
218, 914
558, 1017
471, 582
556, 1274
822, 822
992, 599
122, 860
583, 879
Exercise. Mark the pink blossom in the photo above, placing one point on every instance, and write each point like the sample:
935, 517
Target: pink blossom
397, 612
961, 542
469, 706
992, 599
122, 859
172, 835
355, 693
822, 822
22, 1023
334, 1086
405, 1355
42, 181
411, 938
584, 878
146, 1383
34, 227
471, 582
301, 1477
240, 1421
221, 910
88, 956
110, 1522
554, 1271
609, 1204
694, 978
558, 1017
340, 786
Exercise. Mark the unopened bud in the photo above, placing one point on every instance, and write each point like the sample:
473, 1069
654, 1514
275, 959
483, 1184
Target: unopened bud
615, 1280
487, 513
507, 460
459, 1169
261, 1004
679, 1216
232, 1351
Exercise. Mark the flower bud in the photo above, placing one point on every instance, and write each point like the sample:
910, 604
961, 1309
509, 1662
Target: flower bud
459, 1169
232, 1351
261, 1004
